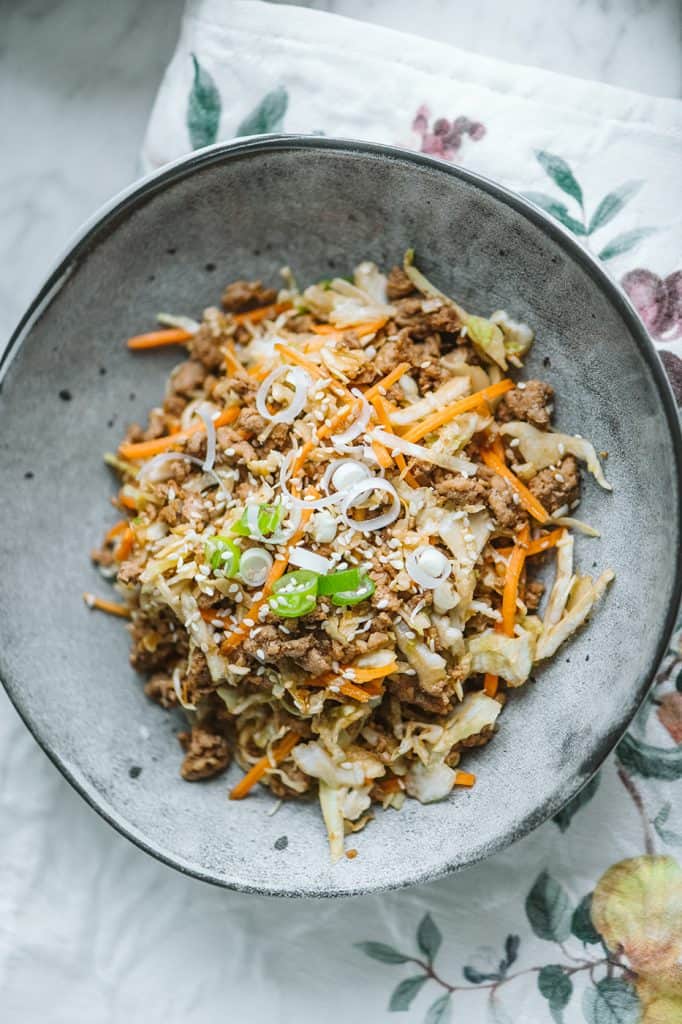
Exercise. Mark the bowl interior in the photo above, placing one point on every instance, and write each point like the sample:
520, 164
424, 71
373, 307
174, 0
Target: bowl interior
319, 207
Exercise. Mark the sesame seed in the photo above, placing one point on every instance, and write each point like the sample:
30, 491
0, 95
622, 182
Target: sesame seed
559, 478
383, 603
521, 386
260, 654
229, 452
514, 443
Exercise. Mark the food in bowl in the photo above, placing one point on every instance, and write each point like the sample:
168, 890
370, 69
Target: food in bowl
329, 535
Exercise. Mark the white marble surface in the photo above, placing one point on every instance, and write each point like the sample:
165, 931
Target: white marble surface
77, 79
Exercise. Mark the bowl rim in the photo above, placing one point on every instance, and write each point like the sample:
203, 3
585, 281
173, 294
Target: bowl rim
123, 203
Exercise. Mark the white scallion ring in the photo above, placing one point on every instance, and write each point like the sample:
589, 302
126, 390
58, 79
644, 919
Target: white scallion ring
428, 566
365, 487
302, 384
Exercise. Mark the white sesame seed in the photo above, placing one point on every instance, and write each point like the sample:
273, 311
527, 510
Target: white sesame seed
521, 386
562, 447
260, 654
559, 478
229, 452
514, 443
383, 603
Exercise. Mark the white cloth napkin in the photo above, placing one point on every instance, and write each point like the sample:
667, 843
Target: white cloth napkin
91, 929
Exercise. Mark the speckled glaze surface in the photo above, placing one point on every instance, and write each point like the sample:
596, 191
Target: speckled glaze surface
70, 387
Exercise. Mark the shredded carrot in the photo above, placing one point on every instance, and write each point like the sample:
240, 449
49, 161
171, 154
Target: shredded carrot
491, 683
381, 408
125, 545
261, 369
362, 329
496, 445
155, 339
511, 580
254, 316
465, 779
468, 404
127, 501
540, 544
527, 498
351, 854
278, 568
390, 784
102, 605
117, 528
383, 457
231, 361
364, 675
146, 449
356, 692
383, 385
295, 357
280, 751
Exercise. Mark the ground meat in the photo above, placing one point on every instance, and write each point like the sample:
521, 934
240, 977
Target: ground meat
103, 556
171, 512
156, 644
251, 421
533, 594
407, 690
187, 378
206, 754
404, 350
382, 592
131, 570
478, 740
174, 405
531, 402
133, 434
244, 387
241, 296
432, 376
410, 315
195, 510
508, 514
301, 324
557, 487
398, 285
197, 681
160, 688
207, 347
311, 651
462, 490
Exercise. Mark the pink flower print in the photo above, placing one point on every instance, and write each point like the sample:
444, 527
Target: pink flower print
444, 139
658, 301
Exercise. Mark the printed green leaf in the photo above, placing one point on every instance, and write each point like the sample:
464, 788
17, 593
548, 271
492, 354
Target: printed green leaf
560, 173
476, 977
623, 243
611, 1001
548, 909
406, 991
511, 949
581, 922
380, 951
678, 682
558, 210
203, 108
439, 1012
556, 986
612, 204
267, 116
650, 762
429, 937
565, 816
669, 837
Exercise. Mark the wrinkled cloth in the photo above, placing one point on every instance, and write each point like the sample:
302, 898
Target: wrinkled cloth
92, 929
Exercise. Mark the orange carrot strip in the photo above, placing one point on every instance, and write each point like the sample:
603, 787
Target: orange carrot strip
381, 408
146, 449
124, 546
364, 675
388, 785
254, 316
386, 382
383, 457
443, 416
361, 329
465, 779
356, 692
127, 501
549, 540
279, 752
102, 605
511, 580
527, 498
295, 357
155, 339
490, 684
231, 361
118, 527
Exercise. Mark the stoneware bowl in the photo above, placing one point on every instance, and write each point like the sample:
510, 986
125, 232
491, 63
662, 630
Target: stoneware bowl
70, 386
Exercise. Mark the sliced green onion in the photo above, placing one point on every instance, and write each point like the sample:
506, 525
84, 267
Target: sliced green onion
223, 554
269, 518
364, 589
294, 594
336, 582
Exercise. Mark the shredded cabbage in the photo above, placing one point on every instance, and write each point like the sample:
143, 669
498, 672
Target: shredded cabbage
518, 337
562, 582
429, 783
542, 448
429, 666
456, 387
508, 656
589, 593
477, 712
487, 338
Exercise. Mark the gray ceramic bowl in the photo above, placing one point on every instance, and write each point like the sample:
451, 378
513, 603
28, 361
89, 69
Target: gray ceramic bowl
321, 206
